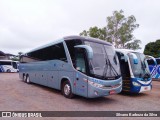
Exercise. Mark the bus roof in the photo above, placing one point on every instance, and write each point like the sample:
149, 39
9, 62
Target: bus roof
87, 39
125, 51
70, 38
8, 61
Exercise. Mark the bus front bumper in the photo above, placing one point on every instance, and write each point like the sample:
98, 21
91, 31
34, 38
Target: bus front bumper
94, 91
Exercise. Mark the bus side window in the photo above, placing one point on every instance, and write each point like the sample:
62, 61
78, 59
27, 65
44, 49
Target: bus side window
54, 52
14, 65
158, 61
150, 62
80, 61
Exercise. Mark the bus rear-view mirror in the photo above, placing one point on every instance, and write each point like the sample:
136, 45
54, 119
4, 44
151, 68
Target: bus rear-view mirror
135, 59
87, 48
125, 58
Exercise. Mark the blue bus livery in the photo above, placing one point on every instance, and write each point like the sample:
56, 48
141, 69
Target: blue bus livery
154, 67
134, 69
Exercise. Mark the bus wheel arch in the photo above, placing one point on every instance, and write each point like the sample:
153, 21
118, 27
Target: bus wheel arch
24, 77
27, 79
66, 88
8, 70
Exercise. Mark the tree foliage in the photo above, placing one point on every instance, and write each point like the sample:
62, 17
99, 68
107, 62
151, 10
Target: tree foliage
95, 32
153, 49
119, 31
133, 45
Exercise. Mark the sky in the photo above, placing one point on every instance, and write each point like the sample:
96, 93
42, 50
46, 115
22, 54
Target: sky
27, 24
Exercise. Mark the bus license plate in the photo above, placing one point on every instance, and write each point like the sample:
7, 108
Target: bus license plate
146, 88
112, 92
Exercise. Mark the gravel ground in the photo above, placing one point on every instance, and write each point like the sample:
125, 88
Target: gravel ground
19, 96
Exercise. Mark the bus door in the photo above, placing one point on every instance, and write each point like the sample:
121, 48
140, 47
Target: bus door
125, 71
80, 75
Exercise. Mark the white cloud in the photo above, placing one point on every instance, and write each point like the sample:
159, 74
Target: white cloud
25, 24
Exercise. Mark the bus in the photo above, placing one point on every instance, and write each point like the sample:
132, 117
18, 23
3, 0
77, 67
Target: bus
8, 66
154, 67
135, 72
75, 65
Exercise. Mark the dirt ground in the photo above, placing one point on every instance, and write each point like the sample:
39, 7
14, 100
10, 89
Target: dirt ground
19, 96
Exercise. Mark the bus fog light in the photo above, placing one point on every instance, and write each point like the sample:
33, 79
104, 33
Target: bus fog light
136, 84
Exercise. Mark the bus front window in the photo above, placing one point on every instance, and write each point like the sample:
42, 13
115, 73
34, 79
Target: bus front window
80, 61
105, 63
141, 68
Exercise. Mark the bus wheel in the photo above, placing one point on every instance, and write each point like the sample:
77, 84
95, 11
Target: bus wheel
67, 90
24, 78
8, 70
28, 79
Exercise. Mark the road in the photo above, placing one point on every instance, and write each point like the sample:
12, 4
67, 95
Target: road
19, 96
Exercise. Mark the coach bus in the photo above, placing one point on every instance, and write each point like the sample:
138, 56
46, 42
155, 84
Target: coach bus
135, 72
154, 67
8, 66
75, 65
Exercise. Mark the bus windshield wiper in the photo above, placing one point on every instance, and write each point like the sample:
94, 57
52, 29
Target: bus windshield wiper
143, 66
110, 66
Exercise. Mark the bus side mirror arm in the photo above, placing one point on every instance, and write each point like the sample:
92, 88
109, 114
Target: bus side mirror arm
135, 59
147, 57
88, 49
125, 58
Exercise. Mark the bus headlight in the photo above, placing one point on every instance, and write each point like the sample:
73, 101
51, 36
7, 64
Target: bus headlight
95, 84
136, 84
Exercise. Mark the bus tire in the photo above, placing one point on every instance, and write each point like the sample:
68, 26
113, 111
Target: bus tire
67, 90
28, 79
8, 71
24, 78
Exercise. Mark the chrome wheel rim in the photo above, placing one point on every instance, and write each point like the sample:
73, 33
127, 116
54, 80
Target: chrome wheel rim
67, 89
27, 79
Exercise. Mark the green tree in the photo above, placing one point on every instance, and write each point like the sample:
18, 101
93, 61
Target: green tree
119, 31
153, 49
133, 45
95, 32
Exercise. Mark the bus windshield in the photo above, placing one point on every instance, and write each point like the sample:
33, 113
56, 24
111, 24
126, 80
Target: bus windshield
105, 63
141, 68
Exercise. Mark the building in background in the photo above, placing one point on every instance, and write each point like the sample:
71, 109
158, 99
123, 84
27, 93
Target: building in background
6, 56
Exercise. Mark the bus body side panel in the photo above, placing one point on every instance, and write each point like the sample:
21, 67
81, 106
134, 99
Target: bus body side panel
64, 72
48, 73
67, 75
52, 78
158, 72
81, 84
1, 68
153, 71
6, 68
39, 71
